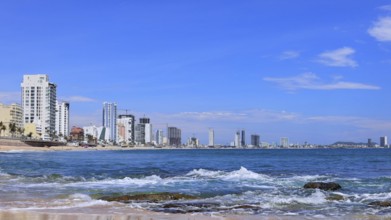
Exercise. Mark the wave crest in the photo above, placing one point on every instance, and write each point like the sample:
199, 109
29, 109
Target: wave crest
236, 175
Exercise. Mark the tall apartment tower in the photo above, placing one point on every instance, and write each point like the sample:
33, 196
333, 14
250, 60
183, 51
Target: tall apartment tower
174, 136
243, 139
39, 104
144, 131
255, 140
62, 118
237, 139
126, 126
211, 137
110, 119
383, 141
159, 137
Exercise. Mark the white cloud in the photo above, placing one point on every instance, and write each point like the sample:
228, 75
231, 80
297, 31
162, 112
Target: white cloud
385, 7
78, 99
340, 57
289, 54
248, 116
313, 82
10, 97
360, 122
381, 30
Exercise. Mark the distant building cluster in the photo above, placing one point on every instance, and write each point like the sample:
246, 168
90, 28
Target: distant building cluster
42, 116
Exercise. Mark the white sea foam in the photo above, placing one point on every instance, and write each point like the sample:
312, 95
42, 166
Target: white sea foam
73, 201
237, 175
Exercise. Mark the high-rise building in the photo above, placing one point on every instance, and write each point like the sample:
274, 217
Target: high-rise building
243, 139
62, 119
237, 141
140, 134
255, 140
126, 126
10, 114
369, 142
144, 132
211, 137
110, 119
174, 136
159, 137
284, 142
39, 104
383, 141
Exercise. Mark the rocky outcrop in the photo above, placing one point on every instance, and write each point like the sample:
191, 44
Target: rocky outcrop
381, 203
322, 185
335, 197
153, 197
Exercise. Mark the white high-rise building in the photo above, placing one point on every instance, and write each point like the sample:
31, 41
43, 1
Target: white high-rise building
211, 137
62, 118
39, 104
126, 129
159, 137
237, 139
110, 119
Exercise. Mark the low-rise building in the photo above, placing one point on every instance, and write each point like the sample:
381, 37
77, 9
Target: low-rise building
11, 121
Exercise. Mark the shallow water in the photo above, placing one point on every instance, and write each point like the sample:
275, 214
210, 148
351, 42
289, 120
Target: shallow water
250, 182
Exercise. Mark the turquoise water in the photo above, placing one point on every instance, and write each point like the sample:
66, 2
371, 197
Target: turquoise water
250, 182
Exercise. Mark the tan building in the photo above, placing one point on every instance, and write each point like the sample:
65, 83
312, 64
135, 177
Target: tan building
10, 114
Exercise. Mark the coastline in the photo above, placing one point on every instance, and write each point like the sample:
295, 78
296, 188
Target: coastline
9, 148
135, 214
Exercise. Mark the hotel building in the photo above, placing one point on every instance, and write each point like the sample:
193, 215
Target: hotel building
62, 119
110, 119
10, 114
39, 104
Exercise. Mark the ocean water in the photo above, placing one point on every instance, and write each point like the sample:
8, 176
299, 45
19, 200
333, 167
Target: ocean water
240, 182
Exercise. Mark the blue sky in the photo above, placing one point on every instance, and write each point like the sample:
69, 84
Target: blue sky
316, 71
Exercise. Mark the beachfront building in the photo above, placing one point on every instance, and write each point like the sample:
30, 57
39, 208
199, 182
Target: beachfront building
284, 142
237, 139
383, 141
110, 120
193, 142
39, 104
243, 139
174, 136
10, 119
211, 137
144, 132
62, 119
159, 137
125, 128
255, 140
77, 134
101, 134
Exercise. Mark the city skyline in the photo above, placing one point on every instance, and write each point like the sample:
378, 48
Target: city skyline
315, 72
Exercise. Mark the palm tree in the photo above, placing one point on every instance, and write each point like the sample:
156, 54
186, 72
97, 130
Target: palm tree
2, 127
12, 128
20, 131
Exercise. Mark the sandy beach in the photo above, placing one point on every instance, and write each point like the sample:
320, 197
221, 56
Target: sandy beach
68, 148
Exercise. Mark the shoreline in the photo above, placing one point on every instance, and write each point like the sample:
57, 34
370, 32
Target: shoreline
9, 148
135, 214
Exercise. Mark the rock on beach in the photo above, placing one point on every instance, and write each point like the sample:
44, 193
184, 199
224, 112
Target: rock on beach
323, 186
